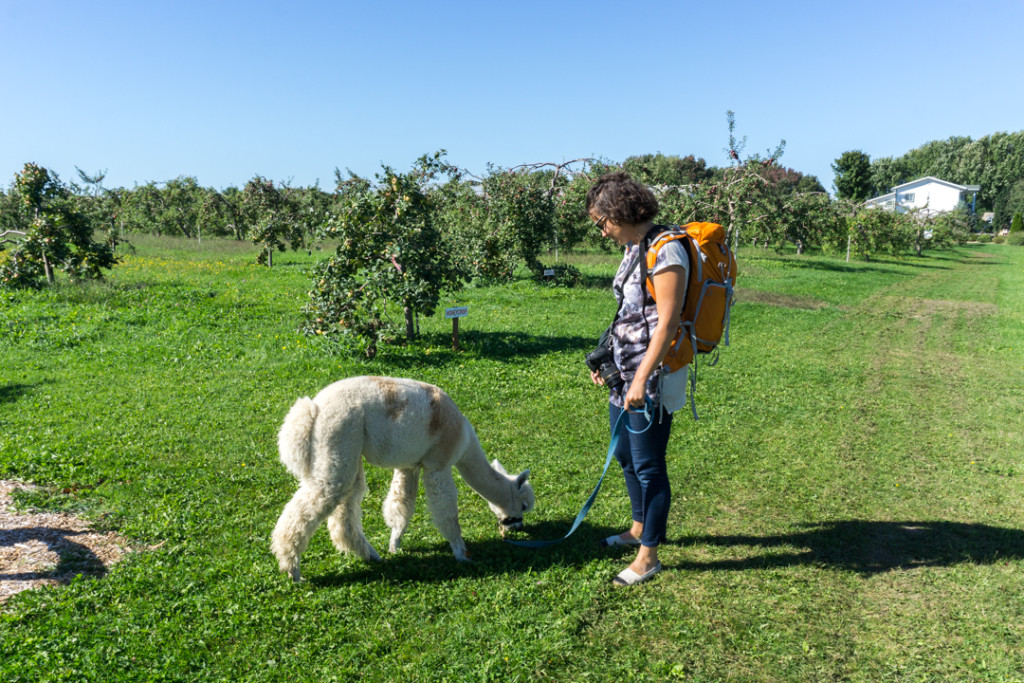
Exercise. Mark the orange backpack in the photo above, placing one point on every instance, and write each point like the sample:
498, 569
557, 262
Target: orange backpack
709, 292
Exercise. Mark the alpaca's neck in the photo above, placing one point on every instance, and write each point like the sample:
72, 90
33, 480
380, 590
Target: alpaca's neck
482, 478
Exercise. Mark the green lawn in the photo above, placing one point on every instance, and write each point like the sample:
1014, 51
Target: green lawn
850, 506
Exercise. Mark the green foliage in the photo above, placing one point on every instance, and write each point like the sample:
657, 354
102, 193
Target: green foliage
1009, 202
513, 216
1015, 239
55, 235
808, 219
563, 275
950, 229
518, 222
853, 176
389, 254
272, 216
181, 207
887, 173
660, 169
1016, 224
875, 231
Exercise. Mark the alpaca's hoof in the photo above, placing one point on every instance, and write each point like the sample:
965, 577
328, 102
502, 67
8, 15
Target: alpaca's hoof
294, 573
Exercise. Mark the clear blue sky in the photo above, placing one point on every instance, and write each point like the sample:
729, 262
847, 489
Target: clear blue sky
226, 90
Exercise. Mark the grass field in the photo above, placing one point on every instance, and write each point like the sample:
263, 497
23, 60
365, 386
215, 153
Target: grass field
850, 506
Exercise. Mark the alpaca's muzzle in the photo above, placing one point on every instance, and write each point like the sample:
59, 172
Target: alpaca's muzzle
509, 523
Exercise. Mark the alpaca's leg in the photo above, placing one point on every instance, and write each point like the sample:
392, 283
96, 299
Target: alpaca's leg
443, 501
400, 503
301, 516
346, 522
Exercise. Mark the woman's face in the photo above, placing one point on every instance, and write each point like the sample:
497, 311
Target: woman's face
608, 229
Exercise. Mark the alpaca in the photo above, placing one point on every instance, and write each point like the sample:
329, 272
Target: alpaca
403, 424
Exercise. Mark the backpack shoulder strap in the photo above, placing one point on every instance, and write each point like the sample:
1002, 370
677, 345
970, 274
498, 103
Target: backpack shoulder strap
671, 233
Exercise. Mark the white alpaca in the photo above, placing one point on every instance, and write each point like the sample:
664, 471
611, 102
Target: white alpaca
398, 423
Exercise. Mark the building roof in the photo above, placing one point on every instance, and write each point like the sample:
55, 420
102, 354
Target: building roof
933, 179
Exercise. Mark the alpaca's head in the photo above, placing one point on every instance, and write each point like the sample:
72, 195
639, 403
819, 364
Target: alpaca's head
510, 515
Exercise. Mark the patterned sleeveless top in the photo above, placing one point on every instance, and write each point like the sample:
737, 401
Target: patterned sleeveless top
638, 314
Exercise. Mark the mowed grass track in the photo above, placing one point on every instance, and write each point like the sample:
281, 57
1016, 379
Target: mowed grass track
848, 507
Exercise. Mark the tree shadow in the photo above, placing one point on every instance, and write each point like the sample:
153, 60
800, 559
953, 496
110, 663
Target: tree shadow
596, 281
9, 393
868, 547
487, 345
73, 558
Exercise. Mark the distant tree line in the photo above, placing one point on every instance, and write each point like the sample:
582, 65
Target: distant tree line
398, 241
995, 162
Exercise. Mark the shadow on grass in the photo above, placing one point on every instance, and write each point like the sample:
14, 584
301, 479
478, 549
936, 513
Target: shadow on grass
432, 563
9, 393
73, 558
485, 345
868, 547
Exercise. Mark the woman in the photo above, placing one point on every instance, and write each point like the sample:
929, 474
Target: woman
641, 335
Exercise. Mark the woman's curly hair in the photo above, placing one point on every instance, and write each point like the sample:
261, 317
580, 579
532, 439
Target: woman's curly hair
623, 200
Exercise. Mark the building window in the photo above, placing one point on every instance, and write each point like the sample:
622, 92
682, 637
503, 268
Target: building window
907, 197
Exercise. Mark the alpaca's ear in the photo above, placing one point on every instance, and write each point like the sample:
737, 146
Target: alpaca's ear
521, 479
497, 467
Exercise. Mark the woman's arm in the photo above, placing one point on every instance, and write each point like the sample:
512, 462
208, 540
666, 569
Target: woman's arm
670, 284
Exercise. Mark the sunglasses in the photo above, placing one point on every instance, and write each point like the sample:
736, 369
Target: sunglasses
599, 223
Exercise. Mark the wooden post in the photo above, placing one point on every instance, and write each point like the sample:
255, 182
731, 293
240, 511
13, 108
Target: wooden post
455, 313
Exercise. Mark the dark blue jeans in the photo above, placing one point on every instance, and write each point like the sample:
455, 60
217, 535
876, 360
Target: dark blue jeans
642, 457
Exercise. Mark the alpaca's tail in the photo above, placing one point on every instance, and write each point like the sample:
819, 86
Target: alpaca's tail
295, 440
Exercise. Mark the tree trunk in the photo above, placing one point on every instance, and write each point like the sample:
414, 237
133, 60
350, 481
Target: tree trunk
48, 269
410, 324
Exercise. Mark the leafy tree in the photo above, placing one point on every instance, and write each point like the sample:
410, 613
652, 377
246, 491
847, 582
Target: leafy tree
55, 234
271, 216
231, 213
513, 215
1009, 202
180, 208
947, 230
1015, 224
877, 231
853, 176
740, 197
659, 169
389, 253
573, 226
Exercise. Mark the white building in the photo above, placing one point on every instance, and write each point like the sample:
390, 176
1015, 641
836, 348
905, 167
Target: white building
929, 195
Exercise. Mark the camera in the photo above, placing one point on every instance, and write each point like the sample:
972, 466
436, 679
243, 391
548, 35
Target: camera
600, 361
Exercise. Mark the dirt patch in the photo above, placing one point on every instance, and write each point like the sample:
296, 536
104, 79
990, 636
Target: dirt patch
43, 549
783, 300
910, 307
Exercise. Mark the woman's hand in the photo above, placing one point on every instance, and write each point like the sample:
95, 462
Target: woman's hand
636, 395
596, 378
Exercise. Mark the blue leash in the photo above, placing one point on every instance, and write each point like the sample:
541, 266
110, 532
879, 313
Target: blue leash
620, 424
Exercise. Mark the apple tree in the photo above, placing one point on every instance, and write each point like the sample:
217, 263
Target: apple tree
390, 257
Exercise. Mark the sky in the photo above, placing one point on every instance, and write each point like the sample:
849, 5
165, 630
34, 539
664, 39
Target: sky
226, 90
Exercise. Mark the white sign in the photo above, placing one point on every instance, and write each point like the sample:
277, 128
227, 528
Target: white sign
550, 272
457, 312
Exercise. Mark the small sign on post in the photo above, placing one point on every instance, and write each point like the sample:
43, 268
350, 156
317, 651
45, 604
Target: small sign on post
456, 313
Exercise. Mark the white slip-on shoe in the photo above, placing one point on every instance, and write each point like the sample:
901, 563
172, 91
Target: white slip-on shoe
628, 577
617, 540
